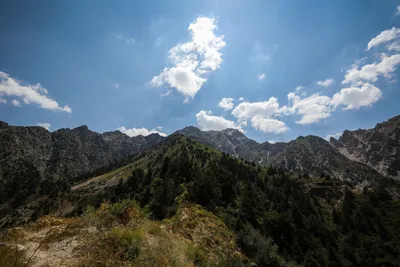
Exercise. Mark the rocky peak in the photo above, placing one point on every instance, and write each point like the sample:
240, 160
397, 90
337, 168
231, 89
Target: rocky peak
335, 142
189, 130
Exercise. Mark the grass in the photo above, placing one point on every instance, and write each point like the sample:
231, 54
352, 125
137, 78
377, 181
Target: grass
125, 236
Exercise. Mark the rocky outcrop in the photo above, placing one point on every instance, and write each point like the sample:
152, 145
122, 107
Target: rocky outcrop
378, 147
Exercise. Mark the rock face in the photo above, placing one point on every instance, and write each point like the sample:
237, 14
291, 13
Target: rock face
310, 155
65, 153
378, 148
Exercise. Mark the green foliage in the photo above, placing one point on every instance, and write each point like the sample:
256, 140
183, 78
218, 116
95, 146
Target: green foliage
126, 242
277, 220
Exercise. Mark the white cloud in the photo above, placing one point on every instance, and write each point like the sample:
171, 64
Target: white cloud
246, 110
261, 77
241, 98
336, 136
206, 121
15, 103
299, 88
326, 83
384, 37
226, 103
268, 125
29, 94
395, 46
356, 97
194, 60
3, 101
371, 72
140, 131
45, 125
312, 109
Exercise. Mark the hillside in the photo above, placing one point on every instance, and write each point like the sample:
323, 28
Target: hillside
36, 163
277, 219
307, 156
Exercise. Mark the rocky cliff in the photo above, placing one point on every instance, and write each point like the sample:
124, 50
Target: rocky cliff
378, 147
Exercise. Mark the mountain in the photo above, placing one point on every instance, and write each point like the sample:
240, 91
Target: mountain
212, 209
309, 156
34, 161
378, 147
66, 153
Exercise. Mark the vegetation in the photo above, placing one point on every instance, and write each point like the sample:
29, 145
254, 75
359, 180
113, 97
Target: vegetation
186, 204
278, 219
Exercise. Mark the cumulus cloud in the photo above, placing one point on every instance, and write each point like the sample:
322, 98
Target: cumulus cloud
326, 83
226, 103
45, 125
312, 109
336, 136
356, 97
384, 37
241, 98
15, 103
140, 131
194, 60
261, 115
268, 125
261, 77
206, 121
29, 94
247, 110
370, 72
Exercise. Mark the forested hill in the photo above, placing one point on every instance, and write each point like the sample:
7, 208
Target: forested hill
278, 219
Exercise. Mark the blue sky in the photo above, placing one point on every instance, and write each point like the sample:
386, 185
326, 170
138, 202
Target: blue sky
164, 65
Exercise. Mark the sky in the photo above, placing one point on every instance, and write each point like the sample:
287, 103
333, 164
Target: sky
273, 69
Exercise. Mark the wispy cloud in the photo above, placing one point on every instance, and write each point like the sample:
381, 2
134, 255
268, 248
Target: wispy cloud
326, 83
127, 40
29, 94
15, 103
261, 77
384, 37
226, 103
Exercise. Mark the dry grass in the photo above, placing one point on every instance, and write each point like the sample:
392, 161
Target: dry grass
121, 234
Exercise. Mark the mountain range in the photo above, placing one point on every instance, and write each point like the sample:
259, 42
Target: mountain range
218, 197
359, 157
